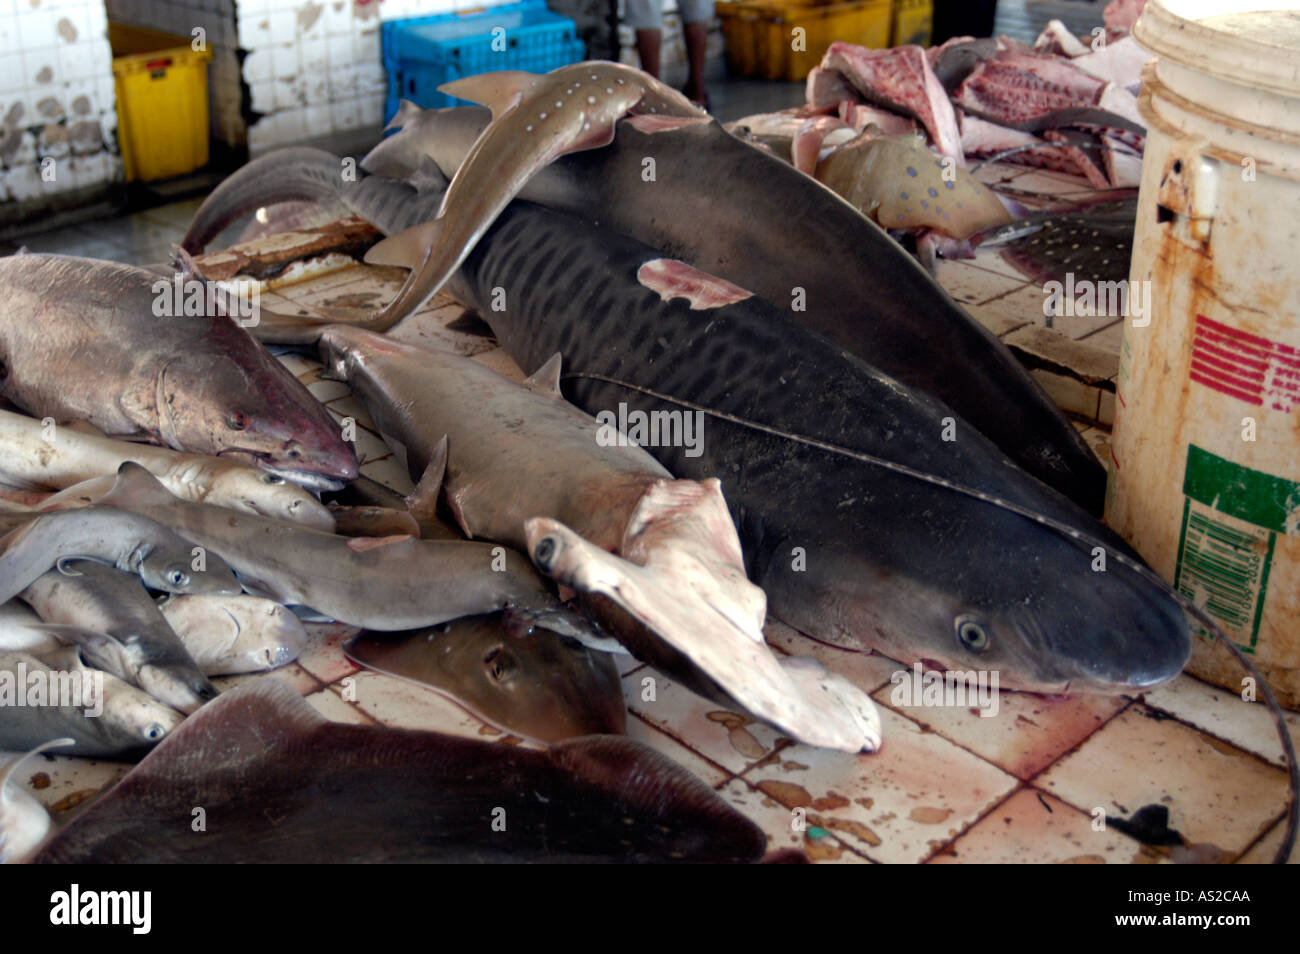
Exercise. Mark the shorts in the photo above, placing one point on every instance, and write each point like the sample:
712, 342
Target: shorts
649, 14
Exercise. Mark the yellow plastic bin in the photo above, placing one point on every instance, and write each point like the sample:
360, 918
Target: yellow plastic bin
761, 35
913, 22
162, 102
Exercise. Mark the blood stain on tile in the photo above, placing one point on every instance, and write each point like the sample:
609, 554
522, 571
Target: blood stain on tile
929, 816
821, 848
740, 738
69, 802
849, 826
787, 793
829, 802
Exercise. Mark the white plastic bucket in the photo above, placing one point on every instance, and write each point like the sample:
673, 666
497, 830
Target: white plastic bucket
1205, 475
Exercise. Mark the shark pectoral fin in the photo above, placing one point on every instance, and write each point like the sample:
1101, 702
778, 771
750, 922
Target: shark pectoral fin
839, 698
422, 503
458, 512
75, 635
406, 249
497, 91
655, 123
546, 379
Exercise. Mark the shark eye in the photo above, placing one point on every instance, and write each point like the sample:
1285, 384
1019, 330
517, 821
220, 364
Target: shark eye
272, 479
971, 634
498, 663
153, 732
177, 577
237, 421
545, 552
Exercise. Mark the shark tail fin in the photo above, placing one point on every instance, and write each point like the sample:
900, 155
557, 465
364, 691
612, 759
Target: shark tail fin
13, 766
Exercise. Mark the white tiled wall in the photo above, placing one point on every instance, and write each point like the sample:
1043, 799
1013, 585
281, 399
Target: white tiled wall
57, 106
312, 66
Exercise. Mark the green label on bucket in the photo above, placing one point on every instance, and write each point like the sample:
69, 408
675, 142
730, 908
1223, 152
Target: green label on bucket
1231, 518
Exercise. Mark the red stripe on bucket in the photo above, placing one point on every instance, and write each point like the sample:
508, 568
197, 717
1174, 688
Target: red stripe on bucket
1245, 366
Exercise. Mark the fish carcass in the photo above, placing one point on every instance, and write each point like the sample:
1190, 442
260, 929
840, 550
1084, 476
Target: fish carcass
915, 570
385, 583
228, 635
107, 718
132, 640
364, 793
514, 452
45, 454
36, 542
797, 244
192, 382
538, 685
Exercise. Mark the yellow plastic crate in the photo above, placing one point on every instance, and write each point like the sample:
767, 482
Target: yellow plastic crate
913, 22
760, 34
162, 102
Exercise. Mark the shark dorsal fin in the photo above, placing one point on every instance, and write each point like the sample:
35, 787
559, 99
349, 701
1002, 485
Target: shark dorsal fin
406, 112
546, 379
135, 485
497, 91
423, 500
405, 249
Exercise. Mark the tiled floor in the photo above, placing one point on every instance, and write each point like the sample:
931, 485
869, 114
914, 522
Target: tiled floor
1039, 782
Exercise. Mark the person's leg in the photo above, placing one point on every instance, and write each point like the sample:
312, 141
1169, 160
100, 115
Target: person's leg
647, 47
696, 16
646, 18
697, 40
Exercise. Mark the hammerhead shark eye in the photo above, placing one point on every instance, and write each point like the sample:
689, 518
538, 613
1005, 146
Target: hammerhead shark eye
544, 553
237, 421
971, 634
272, 479
177, 577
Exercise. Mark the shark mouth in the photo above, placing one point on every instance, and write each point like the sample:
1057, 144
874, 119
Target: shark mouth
307, 479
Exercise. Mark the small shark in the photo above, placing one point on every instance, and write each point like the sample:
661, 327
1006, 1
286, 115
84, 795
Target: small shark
535, 120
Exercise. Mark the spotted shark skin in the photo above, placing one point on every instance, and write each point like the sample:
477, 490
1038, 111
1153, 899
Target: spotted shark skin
536, 119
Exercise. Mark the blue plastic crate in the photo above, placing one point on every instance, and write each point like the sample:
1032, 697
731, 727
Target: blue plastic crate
422, 53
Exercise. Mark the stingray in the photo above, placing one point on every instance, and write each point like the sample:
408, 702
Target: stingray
537, 684
277, 782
